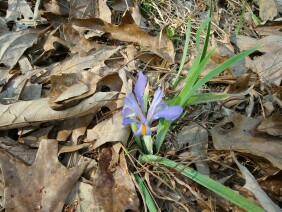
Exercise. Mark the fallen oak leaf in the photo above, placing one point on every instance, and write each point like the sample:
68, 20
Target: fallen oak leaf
13, 45
44, 185
128, 31
26, 113
239, 133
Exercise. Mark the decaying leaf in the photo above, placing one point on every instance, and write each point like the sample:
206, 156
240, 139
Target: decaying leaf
44, 185
113, 189
128, 31
19, 11
110, 130
270, 28
268, 67
238, 133
13, 45
197, 138
68, 89
272, 125
268, 10
253, 186
27, 113
77, 64
17, 150
90, 9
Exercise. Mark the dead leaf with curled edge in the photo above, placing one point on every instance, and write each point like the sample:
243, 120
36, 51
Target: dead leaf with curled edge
44, 186
13, 45
272, 125
113, 189
128, 31
239, 133
68, 90
35, 112
76, 63
90, 9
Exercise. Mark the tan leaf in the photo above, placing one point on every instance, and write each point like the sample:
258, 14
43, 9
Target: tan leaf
27, 113
128, 31
67, 89
271, 43
76, 63
253, 186
272, 125
113, 189
110, 130
196, 137
13, 45
45, 185
90, 9
237, 132
268, 10
268, 67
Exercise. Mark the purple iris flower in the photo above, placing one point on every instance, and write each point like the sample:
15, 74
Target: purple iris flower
133, 110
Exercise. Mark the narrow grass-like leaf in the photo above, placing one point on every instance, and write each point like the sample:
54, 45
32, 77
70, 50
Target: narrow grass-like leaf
188, 89
205, 181
238, 28
185, 51
205, 98
206, 43
148, 199
221, 68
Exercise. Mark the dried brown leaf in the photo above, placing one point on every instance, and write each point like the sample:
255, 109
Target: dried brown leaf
27, 113
68, 90
110, 130
13, 45
128, 31
268, 67
113, 189
238, 133
44, 185
272, 125
90, 9
268, 10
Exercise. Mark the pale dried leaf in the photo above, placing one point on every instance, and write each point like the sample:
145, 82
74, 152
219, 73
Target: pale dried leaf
13, 45
44, 185
272, 125
82, 195
17, 150
237, 132
253, 186
271, 43
128, 31
110, 130
27, 113
268, 10
268, 67
57, 7
20, 12
90, 9
197, 138
76, 64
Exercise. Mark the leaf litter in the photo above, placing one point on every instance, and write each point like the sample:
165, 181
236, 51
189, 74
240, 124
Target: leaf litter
65, 68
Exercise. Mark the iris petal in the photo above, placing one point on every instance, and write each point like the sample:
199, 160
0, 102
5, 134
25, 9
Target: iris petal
170, 113
155, 103
131, 103
139, 88
127, 121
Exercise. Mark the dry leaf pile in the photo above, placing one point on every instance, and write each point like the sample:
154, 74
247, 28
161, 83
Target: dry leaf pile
65, 67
